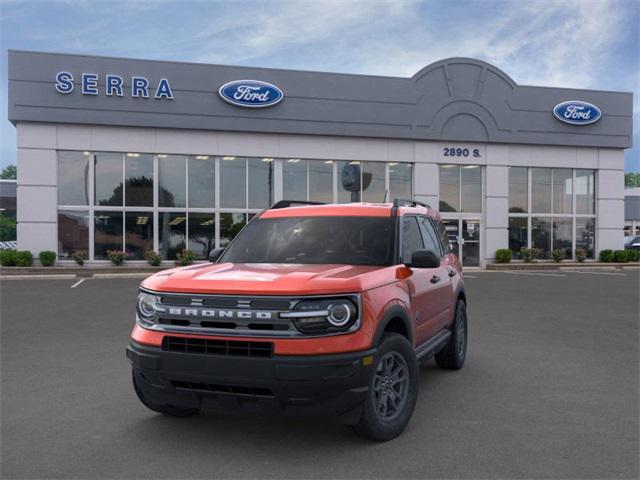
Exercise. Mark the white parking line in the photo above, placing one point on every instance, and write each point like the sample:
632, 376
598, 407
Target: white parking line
469, 276
538, 274
599, 273
78, 283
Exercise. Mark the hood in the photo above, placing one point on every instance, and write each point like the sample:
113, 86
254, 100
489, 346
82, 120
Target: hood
270, 279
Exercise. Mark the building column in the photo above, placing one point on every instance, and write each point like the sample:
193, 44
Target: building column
610, 200
496, 210
37, 188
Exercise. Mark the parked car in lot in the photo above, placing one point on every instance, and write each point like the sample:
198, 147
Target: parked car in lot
632, 241
312, 309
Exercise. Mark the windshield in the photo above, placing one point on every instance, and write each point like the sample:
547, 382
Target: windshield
317, 240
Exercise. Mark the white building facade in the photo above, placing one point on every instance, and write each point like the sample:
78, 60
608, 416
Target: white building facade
114, 171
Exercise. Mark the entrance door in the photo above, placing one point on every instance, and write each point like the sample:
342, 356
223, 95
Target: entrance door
464, 237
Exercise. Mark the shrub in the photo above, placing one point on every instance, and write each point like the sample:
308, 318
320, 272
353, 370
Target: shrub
24, 258
606, 256
503, 255
581, 254
153, 258
633, 255
79, 256
526, 254
558, 255
620, 256
47, 258
185, 257
8, 258
117, 257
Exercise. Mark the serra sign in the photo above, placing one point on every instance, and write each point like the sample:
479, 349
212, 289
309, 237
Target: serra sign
113, 85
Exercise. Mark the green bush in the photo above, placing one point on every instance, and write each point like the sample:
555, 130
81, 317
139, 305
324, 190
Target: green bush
185, 257
24, 258
606, 256
79, 256
153, 258
47, 258
526, 254
117, 257
633, 255
8, 258
503, 255
581, 254
620, 256
558, 255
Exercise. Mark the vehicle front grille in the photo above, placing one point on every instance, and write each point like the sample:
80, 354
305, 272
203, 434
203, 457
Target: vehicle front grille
217, 347
228, 389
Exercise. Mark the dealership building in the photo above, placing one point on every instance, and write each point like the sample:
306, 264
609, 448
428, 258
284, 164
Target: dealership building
141, 155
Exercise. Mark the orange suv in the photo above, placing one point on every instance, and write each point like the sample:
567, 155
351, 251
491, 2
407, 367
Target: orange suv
312, 310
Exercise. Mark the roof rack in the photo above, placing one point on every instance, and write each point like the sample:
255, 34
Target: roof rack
293, 203
401, 202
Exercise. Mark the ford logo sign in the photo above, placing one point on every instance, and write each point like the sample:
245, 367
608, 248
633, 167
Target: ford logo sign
577, 112
250, 93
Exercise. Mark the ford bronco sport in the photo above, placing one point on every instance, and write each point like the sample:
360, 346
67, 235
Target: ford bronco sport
312, 309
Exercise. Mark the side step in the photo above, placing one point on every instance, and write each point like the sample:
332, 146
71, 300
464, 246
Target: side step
433, 345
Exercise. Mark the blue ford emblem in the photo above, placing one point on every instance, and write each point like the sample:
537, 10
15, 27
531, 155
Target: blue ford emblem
251, 93
576, 112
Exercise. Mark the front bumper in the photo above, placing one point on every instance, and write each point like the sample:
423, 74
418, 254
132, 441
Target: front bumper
318, 385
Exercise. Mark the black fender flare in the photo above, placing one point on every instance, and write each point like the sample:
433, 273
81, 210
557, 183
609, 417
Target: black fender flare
394, 311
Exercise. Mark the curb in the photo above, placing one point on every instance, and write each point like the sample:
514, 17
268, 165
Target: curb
561, 266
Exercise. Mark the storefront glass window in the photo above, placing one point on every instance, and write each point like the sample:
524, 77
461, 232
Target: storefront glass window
107, 232
230, 226
138, 234
541, 190
294, 179
562, 235
585, 235
541, 235
172, 231
172, 188
471, 190
517, 235
321, 181
233, 182
201, 181
562, 190
585, 192
138, 173
518, 190
73, 233
400, 180
373, 181
449, 188
108, 179
73, 178
202, 233
260, 182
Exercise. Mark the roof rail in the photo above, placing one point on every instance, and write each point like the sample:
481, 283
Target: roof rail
293, 203
401, 202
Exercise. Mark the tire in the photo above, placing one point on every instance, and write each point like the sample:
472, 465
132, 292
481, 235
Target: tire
385, 415
452, 356
169, 410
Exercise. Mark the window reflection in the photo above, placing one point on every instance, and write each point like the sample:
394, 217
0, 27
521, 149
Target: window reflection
562, 235
172, 227
294, 179
108, 179
373, 181
138, 172
172, 189
107, 232
585, 235
449, 188
73, 178
138, 234
260, 182
400, 180
471, 190
541, 190
541, 235
202, 233
518, 190
233, 182
230, 226
321, 181
201, 182
562, 190
517, 235
73, 232
585, 191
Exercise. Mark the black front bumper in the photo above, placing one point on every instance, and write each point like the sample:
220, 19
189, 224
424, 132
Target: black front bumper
323, 385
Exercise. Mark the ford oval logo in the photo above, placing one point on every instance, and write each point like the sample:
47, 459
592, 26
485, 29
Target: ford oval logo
251, 93
577, 112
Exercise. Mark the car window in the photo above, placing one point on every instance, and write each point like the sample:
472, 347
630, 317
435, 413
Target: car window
429, 236
444, 238
411, 238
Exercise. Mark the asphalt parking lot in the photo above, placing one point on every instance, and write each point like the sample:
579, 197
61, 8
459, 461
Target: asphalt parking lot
550, 389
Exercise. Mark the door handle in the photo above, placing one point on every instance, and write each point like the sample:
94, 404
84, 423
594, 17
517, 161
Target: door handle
452, 272
435, 279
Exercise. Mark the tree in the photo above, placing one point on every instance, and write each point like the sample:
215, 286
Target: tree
9, 173
632, 180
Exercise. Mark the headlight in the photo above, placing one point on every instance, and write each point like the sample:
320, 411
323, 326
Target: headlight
323, 315
147, 304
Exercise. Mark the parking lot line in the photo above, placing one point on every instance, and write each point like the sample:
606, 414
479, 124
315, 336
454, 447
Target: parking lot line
78, 283
599, 273
538, 274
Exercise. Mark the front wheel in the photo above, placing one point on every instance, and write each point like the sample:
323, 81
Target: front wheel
452, 356
393, 390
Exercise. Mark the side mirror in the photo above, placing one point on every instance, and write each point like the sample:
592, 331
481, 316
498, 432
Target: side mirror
215, 254
424, 259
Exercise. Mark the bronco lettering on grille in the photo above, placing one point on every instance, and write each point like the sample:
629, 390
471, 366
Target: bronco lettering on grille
215, 313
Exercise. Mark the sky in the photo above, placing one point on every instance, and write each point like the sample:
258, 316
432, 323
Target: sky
565, 43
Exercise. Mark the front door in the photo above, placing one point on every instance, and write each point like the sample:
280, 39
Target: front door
464, 237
